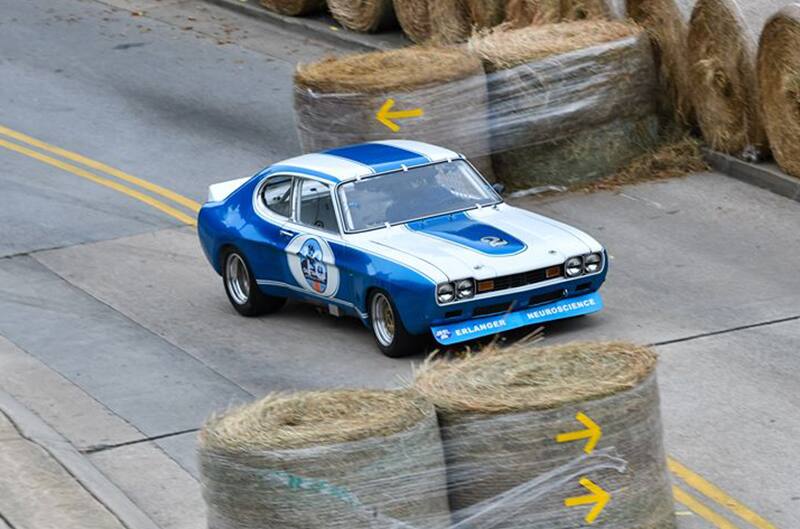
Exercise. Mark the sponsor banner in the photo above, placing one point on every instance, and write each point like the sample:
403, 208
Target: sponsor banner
478, 328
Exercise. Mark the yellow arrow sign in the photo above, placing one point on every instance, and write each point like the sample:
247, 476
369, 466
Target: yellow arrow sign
385, 115
592, 432
598, 497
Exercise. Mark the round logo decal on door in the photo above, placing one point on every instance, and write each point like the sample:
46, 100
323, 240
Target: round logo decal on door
312, 264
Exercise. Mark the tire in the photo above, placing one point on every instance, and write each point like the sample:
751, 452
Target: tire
242, 289
390, 334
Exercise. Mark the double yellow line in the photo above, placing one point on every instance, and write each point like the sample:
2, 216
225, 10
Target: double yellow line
715, 494
23, 144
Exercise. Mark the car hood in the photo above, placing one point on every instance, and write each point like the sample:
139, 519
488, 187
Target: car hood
484, 243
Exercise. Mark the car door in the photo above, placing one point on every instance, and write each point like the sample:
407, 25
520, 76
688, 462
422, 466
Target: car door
316, 241
274, 205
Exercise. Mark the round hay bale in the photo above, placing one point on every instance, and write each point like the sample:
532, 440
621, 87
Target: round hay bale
779, 84
667, 22
500, 411
486, 13
414, 19
450, 22
568, 102
356, 459
336, 100
363, 15
722, 46
293, 7
521, 13
447, 21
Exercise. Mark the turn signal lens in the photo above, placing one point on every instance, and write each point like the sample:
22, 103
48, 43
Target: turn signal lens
553, 271
486, 286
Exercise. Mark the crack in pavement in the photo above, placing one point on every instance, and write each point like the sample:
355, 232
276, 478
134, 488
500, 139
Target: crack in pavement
6, 521
103, 447
726, 331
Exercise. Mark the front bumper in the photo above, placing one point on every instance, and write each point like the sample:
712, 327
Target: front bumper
463, 331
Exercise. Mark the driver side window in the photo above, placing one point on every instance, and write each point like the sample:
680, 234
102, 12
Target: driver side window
276, 195
316, 206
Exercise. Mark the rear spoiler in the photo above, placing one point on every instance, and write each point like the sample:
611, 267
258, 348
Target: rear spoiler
222, 190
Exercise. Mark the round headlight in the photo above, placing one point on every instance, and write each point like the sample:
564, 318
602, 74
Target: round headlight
592, 263
573, 267
465, 288
445, 293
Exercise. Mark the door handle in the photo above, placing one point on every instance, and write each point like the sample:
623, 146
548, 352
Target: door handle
287, 233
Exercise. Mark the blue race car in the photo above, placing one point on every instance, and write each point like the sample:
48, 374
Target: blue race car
406, 236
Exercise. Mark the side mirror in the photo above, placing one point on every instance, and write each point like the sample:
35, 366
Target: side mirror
500, 188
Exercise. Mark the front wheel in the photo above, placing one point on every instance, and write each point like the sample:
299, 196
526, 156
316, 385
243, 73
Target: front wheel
393, 339
242, 289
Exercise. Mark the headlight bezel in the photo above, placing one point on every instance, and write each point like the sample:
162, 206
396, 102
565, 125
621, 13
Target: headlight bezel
465, 288
443, 287
577, 267
593, 266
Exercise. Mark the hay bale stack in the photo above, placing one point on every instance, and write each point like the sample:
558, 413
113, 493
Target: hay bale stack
568, 102
722, 46
293, 7
501, 409
779, 85
522, 13
363, 15
348, 459
667, 22
336, 100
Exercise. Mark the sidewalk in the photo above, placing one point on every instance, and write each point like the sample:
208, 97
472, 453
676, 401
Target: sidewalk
36, 492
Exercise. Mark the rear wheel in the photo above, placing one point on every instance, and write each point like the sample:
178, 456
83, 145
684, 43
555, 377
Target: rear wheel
393, 339
242, 289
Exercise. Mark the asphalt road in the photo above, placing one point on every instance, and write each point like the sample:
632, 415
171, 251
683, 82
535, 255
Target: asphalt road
117, 332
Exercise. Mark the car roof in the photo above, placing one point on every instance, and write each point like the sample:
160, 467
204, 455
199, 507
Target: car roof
364, 159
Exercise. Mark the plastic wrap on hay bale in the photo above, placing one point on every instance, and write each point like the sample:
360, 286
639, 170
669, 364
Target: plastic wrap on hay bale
363, 15
568, 102
521, 13
293, 7
337, 459
722, 47
336, 100
667, 22
501, 410
779, 85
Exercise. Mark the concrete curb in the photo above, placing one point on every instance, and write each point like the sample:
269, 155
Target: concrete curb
315, 26
760, 175
36, 430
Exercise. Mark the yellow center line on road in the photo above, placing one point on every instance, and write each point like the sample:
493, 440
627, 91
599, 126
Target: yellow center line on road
700, 509
99, 166
116, 186
715, 493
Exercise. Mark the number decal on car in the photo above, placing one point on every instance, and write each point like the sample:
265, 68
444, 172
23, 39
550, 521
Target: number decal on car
312, 263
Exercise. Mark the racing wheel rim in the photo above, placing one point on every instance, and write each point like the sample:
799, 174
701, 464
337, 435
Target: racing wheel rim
383, 319
237, 279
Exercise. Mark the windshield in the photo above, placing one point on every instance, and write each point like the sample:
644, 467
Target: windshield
402, 196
